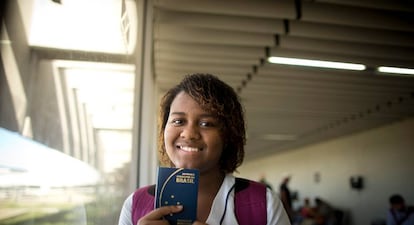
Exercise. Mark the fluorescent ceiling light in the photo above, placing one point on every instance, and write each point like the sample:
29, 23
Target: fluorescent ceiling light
387, 69
316, 63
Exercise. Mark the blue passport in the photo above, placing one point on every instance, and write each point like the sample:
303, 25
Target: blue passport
178, 186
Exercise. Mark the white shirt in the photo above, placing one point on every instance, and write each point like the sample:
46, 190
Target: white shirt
276, 214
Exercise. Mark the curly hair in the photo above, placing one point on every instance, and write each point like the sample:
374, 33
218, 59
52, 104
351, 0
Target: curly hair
218, 98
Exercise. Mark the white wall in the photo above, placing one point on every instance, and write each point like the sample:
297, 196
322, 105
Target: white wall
384, 156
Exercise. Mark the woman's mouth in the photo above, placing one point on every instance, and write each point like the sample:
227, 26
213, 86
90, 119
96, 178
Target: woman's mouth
189, 149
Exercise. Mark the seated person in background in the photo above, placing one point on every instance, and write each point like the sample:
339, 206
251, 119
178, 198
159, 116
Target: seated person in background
304, 215
306, 211
399, 213
323, 213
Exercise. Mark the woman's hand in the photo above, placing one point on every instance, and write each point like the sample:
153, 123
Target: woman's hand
155, 217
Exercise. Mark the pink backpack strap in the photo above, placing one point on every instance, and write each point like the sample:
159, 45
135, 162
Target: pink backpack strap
142, 202
250, 202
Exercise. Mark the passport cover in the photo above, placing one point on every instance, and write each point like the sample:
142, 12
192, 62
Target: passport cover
178, 186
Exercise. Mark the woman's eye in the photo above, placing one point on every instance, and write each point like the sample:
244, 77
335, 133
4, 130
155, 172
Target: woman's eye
177, 121
206, 124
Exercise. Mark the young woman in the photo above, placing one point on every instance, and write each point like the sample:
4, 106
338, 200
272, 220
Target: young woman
202, 127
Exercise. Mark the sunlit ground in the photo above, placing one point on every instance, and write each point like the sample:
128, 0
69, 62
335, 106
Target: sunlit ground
20, 205
59, 206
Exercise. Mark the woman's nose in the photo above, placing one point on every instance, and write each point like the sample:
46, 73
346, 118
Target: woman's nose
190, 131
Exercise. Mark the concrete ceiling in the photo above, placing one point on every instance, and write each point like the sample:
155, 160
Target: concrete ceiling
289, 106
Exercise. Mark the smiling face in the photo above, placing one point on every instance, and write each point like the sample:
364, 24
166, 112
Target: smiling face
197, 99
192, 136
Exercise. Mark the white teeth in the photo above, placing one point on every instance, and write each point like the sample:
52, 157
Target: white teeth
189, 149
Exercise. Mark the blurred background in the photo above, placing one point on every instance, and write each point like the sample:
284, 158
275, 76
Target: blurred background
327, 86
